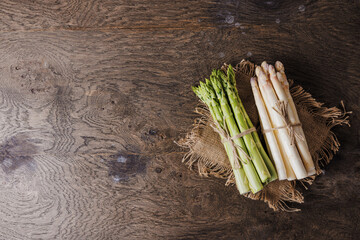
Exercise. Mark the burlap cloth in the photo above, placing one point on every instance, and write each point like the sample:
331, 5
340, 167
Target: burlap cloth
207, 154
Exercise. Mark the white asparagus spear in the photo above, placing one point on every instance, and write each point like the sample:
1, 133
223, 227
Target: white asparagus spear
265, 68
270, 137
270, 99
293, 115
289, 171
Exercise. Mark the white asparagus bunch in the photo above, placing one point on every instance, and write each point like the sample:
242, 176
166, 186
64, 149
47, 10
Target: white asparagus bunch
292, 158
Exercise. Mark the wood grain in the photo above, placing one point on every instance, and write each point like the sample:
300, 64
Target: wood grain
94, 93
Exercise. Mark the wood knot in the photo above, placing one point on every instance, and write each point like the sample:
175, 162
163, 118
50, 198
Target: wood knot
16, 152
123, 166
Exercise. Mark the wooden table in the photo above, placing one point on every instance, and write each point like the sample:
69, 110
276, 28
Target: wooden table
94, 93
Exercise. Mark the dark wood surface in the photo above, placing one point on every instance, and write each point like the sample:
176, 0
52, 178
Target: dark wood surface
94, 93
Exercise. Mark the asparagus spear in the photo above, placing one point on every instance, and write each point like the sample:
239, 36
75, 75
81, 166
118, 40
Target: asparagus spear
229, 85
207, 95
254, 181
284, 94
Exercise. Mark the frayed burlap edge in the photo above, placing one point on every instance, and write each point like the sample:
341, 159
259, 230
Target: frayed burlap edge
332, 116
287, 192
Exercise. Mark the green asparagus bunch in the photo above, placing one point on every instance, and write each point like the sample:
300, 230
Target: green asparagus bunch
250, 163
206, 93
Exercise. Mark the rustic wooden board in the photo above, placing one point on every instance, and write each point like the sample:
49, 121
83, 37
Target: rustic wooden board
94, 93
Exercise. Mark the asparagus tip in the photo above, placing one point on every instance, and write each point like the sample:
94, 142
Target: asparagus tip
207, 82
272, 70
213, 73
197, 91
258, 70
262, 77
216, 84
253, 81
265, 67
221, 75
279, 66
